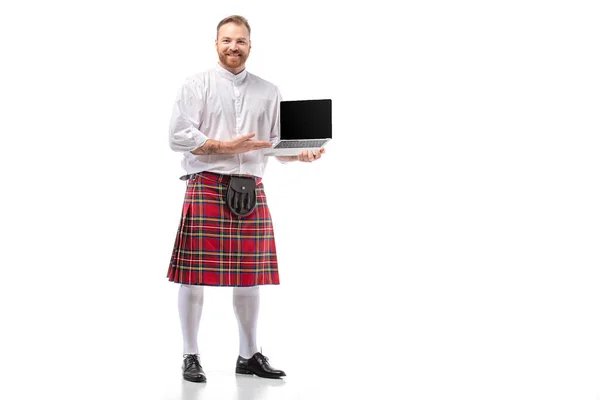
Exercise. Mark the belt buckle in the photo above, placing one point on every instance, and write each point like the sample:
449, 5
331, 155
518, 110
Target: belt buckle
190, 176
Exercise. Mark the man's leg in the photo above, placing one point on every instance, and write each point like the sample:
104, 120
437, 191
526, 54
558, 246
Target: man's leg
246, 301
190, 302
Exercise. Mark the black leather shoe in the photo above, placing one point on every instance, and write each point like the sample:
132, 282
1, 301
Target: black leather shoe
192, 370
257, 365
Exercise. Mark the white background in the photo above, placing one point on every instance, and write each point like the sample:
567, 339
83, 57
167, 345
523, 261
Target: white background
446, 246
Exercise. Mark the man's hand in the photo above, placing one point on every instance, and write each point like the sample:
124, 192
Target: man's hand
243, 144
309, 156
304, 156
240, 144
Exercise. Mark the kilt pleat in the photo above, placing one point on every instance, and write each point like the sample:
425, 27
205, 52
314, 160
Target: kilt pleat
214, 247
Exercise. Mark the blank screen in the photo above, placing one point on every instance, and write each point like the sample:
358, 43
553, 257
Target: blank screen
305, 119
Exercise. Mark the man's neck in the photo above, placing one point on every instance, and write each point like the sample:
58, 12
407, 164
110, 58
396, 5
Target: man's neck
234, 71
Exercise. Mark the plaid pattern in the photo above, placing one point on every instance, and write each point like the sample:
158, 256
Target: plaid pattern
217, 248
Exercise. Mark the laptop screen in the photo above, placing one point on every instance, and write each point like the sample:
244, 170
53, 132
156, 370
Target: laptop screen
305, 119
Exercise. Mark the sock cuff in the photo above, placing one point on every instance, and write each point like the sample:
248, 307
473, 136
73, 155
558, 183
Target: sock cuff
246, 291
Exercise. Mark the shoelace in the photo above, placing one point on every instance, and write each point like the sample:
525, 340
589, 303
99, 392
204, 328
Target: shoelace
266, 358
193, 358
263, 358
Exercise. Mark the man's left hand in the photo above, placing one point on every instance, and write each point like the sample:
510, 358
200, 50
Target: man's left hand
305, 156
310, 156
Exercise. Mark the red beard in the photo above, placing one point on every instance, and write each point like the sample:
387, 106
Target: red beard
233, 62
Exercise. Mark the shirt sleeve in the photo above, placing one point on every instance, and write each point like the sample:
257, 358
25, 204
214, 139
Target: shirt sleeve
274, 136
185, 119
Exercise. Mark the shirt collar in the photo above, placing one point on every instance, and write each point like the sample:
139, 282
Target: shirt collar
223, 73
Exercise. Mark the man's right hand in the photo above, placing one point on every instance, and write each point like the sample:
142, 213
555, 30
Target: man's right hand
243, 144
240, 144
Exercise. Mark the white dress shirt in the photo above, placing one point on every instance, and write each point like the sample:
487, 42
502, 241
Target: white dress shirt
216, 104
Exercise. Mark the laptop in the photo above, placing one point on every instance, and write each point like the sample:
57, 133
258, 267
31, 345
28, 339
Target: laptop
303, 125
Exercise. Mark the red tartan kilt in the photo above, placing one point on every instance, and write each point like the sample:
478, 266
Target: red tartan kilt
217, 248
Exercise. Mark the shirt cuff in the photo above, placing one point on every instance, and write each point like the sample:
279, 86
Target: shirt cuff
199, 139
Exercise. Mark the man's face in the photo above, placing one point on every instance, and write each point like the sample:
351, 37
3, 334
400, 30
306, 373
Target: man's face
233, 46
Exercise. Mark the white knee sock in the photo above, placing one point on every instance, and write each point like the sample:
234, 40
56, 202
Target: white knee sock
191, 299
246, 301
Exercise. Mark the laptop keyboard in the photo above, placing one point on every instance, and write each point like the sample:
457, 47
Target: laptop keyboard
298, 144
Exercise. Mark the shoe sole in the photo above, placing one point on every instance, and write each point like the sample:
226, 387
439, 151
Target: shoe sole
244, 371
195, 380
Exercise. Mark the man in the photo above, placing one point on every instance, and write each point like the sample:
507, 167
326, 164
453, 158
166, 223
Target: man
221, 120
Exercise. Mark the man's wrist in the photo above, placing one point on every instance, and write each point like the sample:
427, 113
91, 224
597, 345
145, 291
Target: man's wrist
211, 146
287, 158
